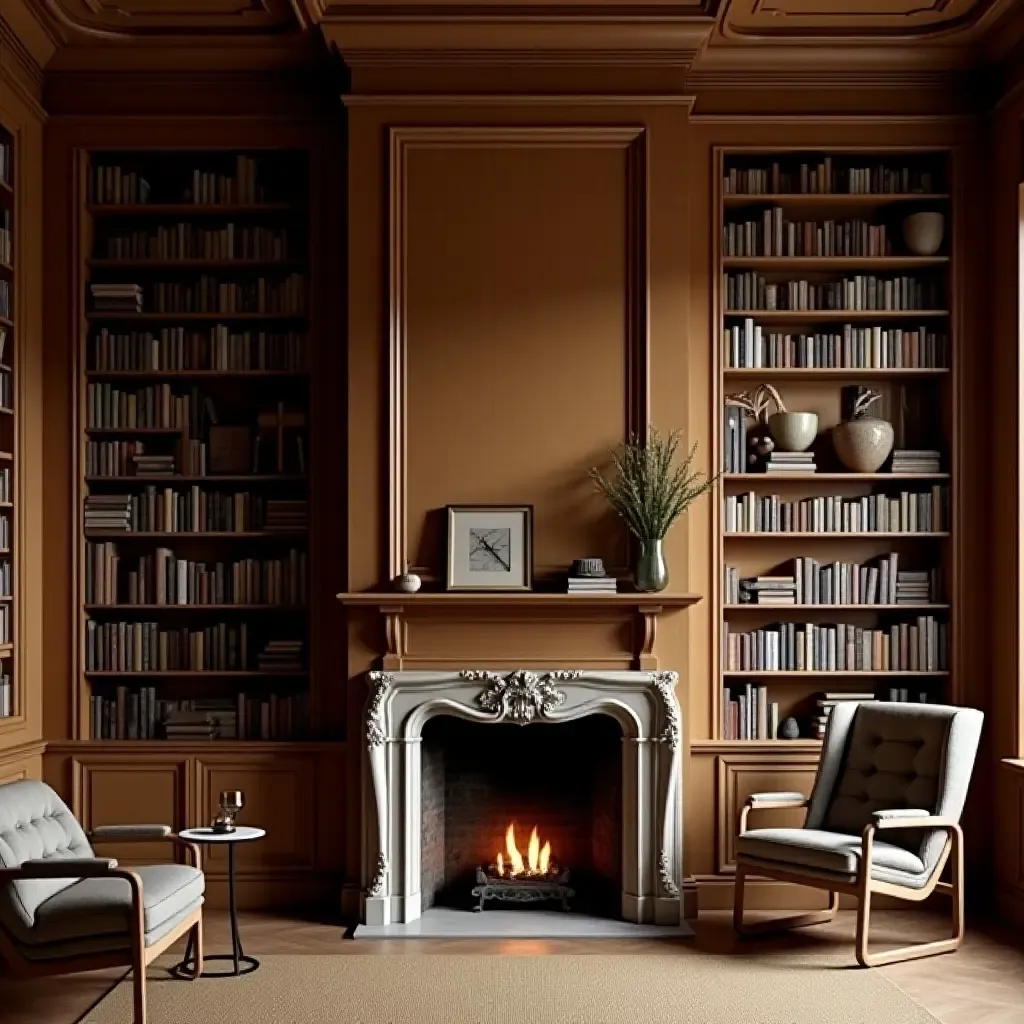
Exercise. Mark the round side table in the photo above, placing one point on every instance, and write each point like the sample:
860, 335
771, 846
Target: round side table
243, 964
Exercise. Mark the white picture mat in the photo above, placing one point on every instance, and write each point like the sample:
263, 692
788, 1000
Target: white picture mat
461, 522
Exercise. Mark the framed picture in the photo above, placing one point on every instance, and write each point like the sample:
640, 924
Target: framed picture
490, 547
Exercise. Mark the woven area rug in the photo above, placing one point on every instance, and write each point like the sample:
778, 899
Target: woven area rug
595, 989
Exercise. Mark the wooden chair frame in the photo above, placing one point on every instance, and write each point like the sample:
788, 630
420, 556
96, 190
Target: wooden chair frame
863, 887
139, 956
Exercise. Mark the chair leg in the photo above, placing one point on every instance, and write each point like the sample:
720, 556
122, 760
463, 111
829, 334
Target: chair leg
950, 945
139, 991
776, 924
197, 942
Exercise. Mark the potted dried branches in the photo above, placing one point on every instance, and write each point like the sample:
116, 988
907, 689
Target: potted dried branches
649, 490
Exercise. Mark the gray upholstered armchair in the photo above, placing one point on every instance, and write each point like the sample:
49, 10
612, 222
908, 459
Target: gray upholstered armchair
883, 818
63, 909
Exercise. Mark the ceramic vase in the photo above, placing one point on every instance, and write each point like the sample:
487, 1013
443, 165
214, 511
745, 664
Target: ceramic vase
651, 573
923, 232
863, 444
408, 583
793, 431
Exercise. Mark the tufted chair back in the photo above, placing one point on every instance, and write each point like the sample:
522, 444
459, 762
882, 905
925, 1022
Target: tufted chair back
882, 756
35, 824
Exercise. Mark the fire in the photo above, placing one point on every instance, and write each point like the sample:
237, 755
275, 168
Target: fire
538, 858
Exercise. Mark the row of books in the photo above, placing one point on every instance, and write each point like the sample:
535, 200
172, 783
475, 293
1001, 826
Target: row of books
6, 493
161, 578
155, 405
748, 346
6, 389
5, 299
6, 580
139, 714
6, 163
188, 241
6, 691
191, 510
6, 238
148, 647
826, 177
750, 290
747, 714
5, 533
210, 294
903, 512
918, 646
116, 298
117, 185
175, 348
879, 581
773, 235
6, 635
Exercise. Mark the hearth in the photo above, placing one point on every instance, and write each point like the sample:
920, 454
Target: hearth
596, 770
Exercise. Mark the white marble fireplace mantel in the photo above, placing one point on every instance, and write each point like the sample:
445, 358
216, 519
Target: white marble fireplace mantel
643, 703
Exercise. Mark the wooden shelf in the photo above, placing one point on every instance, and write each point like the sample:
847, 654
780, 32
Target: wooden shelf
6, 648
270, 478
833, 372
834, 198
135, 430
189, 209
203, 673
753, 746
799, 315
753, 606
5, 322
830, 536
450, 599
205, 317
232, 534
831, 477
187, 374
194, 264
195, 746
825, 264
296, 608
830, 673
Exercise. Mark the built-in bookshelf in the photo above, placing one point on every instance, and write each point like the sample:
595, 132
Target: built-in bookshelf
193, 424
11, 698
832, 585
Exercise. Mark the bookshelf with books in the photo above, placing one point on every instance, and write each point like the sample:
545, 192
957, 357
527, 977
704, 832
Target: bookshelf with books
193, 428
832, 584
11, 696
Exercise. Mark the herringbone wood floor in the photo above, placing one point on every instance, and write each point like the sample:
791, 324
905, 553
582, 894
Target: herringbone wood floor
982, 984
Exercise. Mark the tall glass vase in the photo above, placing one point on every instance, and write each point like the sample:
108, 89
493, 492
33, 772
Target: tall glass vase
651, 571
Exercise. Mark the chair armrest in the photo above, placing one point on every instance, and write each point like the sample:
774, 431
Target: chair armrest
131, 832
908, 817
769, 801
67, 867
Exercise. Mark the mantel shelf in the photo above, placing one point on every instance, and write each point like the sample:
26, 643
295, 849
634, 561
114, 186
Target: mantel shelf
640, 611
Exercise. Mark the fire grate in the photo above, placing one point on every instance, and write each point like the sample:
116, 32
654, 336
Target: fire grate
522, 890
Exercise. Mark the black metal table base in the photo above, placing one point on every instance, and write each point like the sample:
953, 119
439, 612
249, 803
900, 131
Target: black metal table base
241, 963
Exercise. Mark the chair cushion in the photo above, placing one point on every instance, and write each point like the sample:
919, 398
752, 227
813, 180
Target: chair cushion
826, 851
102, 906
35, 824
893, 760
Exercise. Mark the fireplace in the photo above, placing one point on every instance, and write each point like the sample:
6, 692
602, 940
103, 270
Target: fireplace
592, 760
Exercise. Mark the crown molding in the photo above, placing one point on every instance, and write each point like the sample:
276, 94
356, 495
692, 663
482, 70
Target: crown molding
25, 49
519, 100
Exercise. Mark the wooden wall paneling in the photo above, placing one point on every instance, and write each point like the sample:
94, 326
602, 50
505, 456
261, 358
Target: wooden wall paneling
21, 762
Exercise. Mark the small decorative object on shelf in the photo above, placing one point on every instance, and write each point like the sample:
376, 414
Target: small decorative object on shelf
587, 576
408, 582
231, 802
649, 491
923, 232
863, 442
789, 730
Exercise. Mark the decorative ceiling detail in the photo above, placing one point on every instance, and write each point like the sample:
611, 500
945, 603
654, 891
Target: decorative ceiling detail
845, 20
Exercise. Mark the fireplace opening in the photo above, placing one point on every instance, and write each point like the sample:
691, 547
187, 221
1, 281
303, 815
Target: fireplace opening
539, 805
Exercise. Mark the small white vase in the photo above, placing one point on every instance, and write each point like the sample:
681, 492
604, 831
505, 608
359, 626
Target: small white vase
793, 431
863, 444
408, 583
923, 232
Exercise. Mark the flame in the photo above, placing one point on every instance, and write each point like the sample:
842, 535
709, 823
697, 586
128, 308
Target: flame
538, 858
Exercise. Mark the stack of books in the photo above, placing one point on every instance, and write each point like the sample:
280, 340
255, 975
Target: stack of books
116, 298
211, 720
826, 702
286, 516
592, 584
153, 465
900, 695
281, 656
108, 512
747, 714
923, 587
910, 460
790, 462
768, 590
6, 695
